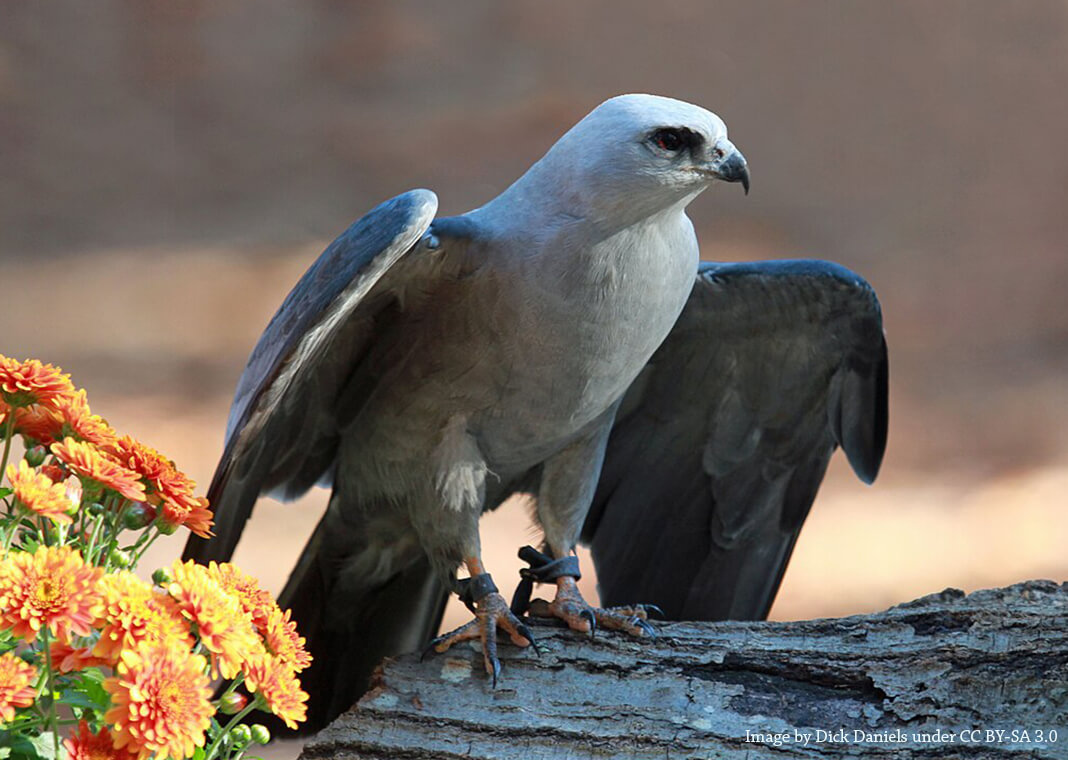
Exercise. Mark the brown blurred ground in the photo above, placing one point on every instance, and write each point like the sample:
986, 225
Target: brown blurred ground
167, 171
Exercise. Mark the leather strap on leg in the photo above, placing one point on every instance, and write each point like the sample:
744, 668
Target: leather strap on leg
543, 569
474, 589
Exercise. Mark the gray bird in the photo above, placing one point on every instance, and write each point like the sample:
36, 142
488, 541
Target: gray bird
426, 369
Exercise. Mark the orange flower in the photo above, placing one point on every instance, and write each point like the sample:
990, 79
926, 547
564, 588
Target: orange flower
197, 518
162, 701
16, 685
38, 493
80, 423
31, 382
167, 487
86, 460
84, 745
39, 424
284, 642
67, 658
279, 687
223, 627
256, 602
52, 587
136, 614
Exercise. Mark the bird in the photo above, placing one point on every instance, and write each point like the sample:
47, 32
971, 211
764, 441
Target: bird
562, 340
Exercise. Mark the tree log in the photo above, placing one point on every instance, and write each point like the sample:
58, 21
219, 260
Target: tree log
937, 677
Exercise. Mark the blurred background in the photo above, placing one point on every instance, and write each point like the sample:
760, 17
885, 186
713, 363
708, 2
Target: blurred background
168, 170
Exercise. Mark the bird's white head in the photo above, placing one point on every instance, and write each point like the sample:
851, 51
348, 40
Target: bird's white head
632, 156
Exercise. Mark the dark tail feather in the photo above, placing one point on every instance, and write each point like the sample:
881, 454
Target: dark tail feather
351, 621
231, 504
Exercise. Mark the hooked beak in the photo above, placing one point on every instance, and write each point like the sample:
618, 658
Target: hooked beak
731, 166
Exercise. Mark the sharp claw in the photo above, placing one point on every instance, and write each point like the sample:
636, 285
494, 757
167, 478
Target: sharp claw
646, 628
496, 671
652, 609
587, 614
524, 631
431, 646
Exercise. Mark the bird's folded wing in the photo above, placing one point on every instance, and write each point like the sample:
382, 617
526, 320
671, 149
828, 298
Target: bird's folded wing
281, 434
720, 445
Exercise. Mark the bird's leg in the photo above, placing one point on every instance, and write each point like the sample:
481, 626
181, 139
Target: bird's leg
480, 595
568, 605
568, 480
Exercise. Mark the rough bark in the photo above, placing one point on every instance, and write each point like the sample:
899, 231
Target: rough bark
890, 682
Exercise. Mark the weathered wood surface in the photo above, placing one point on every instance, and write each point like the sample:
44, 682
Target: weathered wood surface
994, 660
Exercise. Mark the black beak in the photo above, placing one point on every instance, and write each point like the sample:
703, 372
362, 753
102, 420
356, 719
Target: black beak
735, 169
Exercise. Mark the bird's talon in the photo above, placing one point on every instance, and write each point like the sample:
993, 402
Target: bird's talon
589, 617
652, 610
491, 612
524, 631
647, 629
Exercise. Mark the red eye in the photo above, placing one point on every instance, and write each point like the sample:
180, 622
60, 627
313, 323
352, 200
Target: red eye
668, 139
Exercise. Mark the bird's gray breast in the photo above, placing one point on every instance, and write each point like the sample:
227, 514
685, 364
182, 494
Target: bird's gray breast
584, 322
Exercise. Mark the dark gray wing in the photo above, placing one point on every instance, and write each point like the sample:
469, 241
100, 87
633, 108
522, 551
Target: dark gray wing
720, 445
281, 434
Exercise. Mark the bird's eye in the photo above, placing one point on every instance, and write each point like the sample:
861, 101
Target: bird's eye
670, 140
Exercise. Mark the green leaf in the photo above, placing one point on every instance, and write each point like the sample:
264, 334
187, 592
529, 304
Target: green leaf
19, 747
88, 692
5, 492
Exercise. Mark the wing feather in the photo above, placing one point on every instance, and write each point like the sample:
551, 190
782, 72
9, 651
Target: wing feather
721, 444
281, 434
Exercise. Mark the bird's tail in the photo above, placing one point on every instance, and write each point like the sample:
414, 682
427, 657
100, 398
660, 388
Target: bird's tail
355, 603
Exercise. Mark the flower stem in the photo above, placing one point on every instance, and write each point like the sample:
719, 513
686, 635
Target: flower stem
53, 719
90, 550
9, 433
252, 705
147, 545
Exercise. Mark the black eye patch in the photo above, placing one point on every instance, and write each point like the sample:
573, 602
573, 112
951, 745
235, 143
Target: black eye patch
676, 139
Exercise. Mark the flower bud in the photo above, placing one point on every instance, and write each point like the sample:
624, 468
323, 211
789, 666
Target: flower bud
120, 558
35, 457
162, 577
137, 516
260, 734
241, 735
55, 472
233, 703
166, 528
96, 509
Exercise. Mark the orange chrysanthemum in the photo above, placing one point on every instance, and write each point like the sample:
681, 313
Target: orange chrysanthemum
39, 424
67, 416
283, 641
162, 701
31, 382
197, 518
85, 745
52, 587
223, 627
136, 614
278, 685
67, 658
16, 685
37, 492
86, 460
166, 486
81, 424
256, 602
